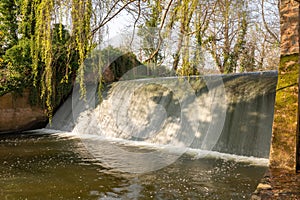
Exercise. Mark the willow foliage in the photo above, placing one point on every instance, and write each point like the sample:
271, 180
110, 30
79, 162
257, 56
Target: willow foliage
217, 27
38, 19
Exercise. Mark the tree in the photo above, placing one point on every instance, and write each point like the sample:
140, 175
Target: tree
17, 61
64, 64
221, 27
149, 32
228, 34
285, 133
268, 28
9, 11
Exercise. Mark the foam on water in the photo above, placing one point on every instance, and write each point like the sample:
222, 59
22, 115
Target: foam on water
194, 153
148, 124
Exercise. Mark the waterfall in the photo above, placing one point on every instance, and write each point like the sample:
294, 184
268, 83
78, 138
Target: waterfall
224, 113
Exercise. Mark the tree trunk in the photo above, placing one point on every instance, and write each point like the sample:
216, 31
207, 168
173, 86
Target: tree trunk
283, 150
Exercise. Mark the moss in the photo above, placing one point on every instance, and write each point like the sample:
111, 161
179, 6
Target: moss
285, 118
285, 61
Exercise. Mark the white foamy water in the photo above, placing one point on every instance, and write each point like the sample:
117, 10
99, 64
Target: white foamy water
194, 153
145, 125
161, 112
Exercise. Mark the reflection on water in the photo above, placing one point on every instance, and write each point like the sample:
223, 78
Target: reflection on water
47, 166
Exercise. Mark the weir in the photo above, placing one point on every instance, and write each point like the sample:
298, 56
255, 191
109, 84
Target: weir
225, 113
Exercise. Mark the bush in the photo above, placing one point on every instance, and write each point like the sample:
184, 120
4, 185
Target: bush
16, 64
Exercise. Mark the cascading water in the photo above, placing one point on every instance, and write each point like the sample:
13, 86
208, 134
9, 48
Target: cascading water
180, 138
230, 114
250, 101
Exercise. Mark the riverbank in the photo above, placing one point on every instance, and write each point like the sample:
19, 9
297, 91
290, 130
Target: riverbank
278, 184
16, 113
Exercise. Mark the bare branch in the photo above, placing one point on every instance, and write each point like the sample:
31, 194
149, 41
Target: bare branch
107, 18
136, 20
159, 31
266, 24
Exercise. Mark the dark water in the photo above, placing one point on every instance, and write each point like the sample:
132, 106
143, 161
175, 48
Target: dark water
48, 166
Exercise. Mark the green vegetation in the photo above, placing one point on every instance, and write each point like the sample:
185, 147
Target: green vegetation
284, 128
23, 67
35, 53
18, 71
44, 43
9, 11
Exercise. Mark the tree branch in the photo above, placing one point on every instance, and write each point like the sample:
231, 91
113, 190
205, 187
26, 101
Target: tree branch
159, 32
136, 20
107, 18
265, 23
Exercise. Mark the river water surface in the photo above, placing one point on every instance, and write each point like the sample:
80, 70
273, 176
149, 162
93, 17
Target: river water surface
204, 137
55, 166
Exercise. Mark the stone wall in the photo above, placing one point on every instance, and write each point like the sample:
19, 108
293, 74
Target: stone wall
283, 150
16, 113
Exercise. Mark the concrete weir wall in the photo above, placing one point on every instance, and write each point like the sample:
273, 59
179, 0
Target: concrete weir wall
16, 113
230, 114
